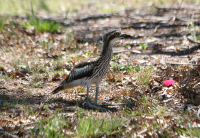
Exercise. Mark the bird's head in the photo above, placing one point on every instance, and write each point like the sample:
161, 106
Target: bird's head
112, 36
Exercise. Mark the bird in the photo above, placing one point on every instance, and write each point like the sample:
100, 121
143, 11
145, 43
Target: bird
93, 70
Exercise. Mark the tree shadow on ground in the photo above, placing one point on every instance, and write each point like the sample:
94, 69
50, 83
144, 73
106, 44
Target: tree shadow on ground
183, 52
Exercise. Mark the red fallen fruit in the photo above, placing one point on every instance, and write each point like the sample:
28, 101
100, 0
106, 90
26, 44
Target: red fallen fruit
168, 82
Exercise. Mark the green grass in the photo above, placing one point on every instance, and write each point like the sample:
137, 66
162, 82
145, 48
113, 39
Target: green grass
28, 110
109, 10
145, 106
86, 125
92, 126
40, 25
143, 46
194, 31
37, 84
89, 54
188, 129
125, 67
193, 132
2, 22
50, 127
145, 76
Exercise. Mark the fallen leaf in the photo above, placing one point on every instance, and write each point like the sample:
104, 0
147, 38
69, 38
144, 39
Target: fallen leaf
131, 25
178, 48
64, 76
95, 51
15, 74
178, 28
56, 76
143, 20
51, 83
2, 69
5, 108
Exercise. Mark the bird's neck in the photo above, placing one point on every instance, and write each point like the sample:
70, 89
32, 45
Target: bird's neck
107, 49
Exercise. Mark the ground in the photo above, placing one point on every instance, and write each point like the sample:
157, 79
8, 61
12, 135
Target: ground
35, 59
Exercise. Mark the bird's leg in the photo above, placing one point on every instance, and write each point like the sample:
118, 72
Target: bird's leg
96, 95
92, 106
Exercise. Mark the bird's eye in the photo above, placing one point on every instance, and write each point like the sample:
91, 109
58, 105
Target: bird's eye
116, 34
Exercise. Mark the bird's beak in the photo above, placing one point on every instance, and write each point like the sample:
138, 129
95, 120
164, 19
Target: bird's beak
125, 36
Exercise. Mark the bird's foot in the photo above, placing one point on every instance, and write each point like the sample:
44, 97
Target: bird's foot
88, 105
120, 104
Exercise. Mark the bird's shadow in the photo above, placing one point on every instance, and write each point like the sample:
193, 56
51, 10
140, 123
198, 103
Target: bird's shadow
70, 105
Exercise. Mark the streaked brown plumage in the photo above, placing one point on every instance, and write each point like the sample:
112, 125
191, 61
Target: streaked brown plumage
93, 70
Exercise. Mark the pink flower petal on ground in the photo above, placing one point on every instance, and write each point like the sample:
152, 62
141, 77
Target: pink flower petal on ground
168, 82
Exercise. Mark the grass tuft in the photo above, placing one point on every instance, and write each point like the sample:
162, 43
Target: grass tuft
2, 22
145, 76
41, 25
92, 126
51, 127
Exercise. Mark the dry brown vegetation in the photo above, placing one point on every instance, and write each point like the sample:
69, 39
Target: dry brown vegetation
33, 61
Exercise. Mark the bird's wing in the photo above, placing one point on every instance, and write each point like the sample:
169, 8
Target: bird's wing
78, 73
81, 70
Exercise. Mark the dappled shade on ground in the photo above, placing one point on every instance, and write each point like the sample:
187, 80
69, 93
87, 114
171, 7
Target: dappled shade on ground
33, 63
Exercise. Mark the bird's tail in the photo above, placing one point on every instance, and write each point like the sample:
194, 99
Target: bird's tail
56, 90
